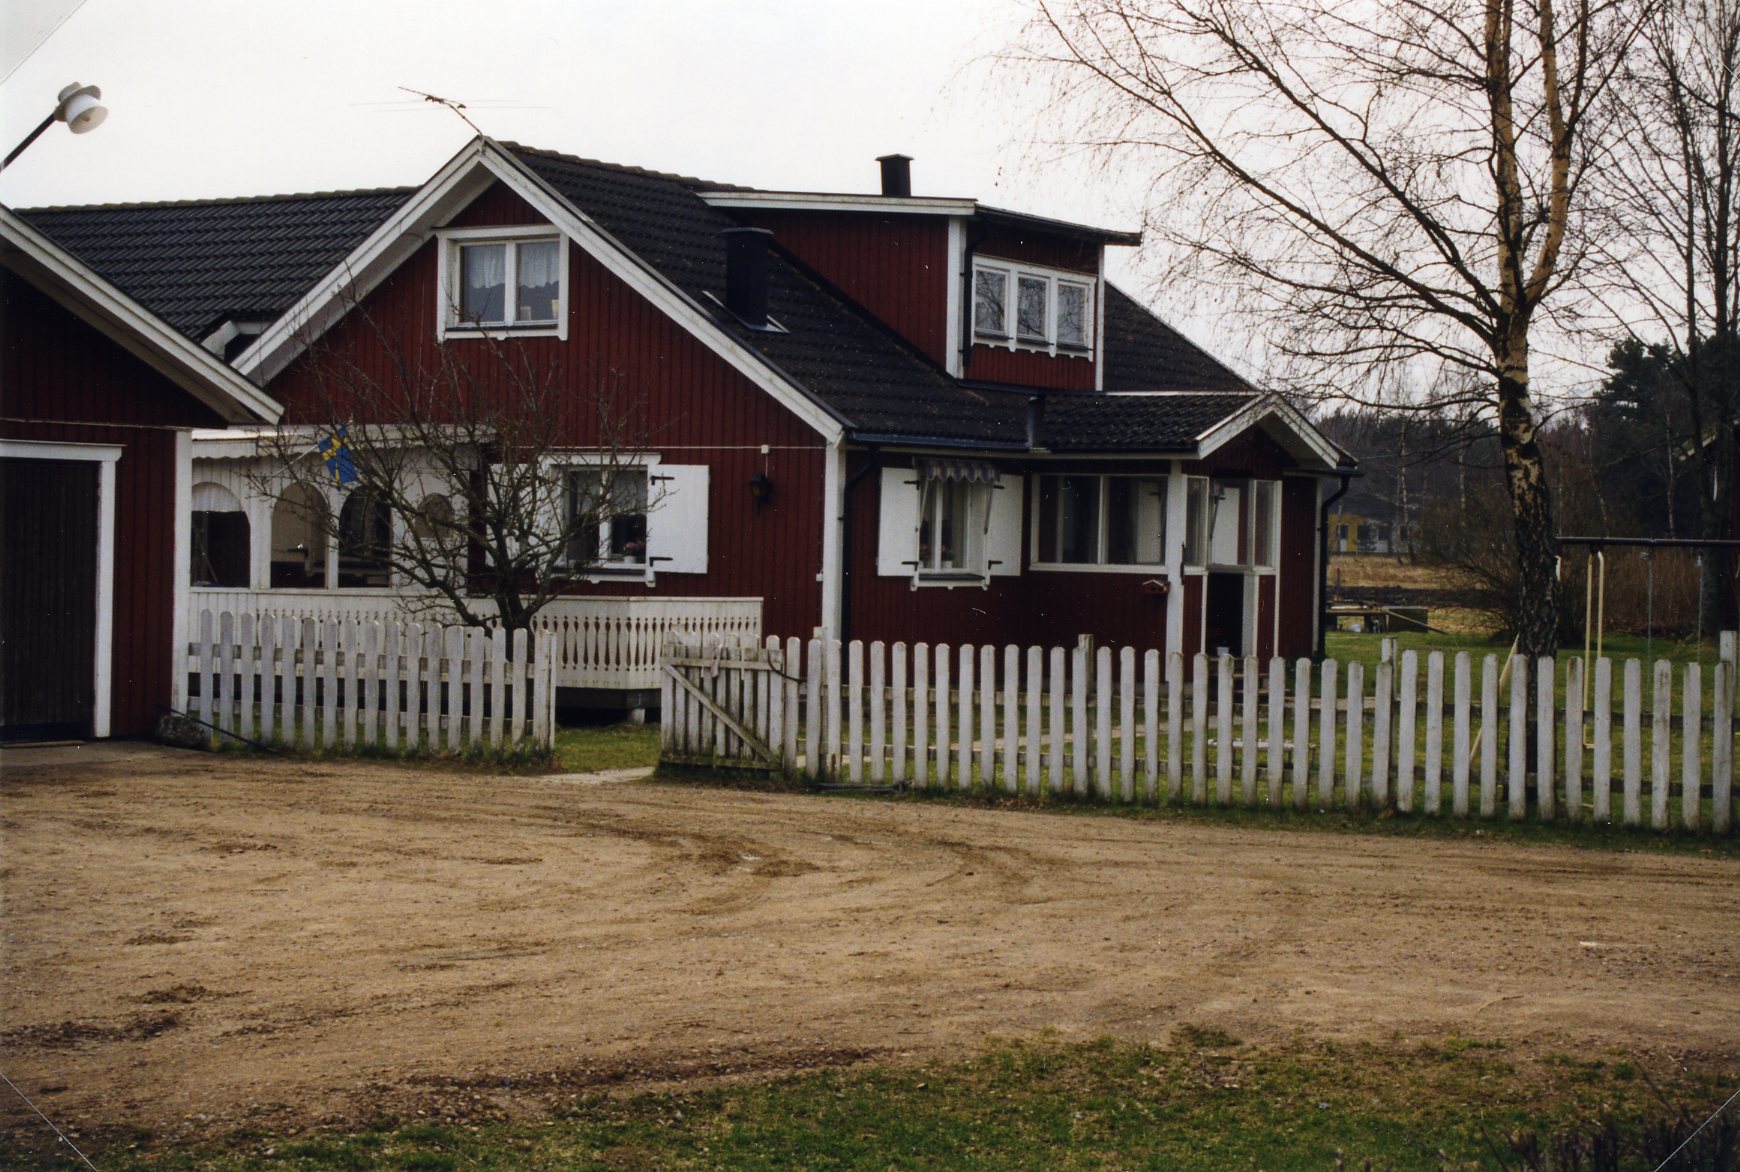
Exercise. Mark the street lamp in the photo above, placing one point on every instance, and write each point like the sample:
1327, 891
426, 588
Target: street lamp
77, 107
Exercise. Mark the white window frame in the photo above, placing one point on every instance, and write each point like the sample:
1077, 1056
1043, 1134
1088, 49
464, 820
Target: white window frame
448, 320
975, 568
604, 570
1008, 338
1103, 541
1247, 525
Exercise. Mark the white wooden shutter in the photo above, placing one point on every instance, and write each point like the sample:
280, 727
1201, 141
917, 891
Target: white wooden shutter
676, 524
1003, 534
897, 524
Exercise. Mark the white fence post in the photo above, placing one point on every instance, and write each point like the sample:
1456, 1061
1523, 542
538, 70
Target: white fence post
1461, 742
1223, 729
1405, 732
1691, 749
1544, 680
1435, 733
1127, 724
1248, 740
920, 715
1519, 736
1722, 748
1355, 755
1661, 717
1199, 729
964, 720
1489, 730
1326, 754
1010, 744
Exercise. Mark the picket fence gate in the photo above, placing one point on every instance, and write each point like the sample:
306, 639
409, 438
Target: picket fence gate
1223, 731
392, 686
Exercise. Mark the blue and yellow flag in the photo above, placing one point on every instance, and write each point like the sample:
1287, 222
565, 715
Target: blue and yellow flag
335, 450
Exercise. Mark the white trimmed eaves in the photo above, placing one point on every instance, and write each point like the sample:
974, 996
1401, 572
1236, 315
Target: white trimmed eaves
466, 176
622, 263
136, 329
1295, 432
457, 183
818, 201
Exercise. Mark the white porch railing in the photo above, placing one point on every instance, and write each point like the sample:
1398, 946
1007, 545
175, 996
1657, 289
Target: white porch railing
609, 643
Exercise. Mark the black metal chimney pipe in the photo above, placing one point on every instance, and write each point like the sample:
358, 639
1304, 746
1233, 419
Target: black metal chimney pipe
746, 274
896, 175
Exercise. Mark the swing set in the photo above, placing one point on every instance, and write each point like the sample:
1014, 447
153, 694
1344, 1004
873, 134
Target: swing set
1595, 586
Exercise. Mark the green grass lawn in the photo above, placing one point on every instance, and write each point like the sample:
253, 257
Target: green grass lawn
588, 748
1203, 1101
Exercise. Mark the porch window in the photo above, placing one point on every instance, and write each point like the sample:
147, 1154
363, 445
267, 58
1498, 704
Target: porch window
1265, 522
1102, 520
220, 538
1196, 520
299, 539
365, 539
607, 511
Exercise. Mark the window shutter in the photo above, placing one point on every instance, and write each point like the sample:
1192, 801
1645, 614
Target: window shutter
1003, 535
676, 523
897, 524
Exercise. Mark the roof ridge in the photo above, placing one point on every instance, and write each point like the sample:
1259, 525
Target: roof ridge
217, 201
625, 168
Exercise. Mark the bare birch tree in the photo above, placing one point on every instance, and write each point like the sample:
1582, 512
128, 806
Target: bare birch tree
472, 475
1384, 183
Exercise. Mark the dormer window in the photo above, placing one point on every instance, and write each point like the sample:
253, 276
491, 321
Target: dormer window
503, 280
1022, 307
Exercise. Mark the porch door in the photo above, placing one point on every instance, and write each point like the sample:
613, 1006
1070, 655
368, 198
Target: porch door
1224, 614
48, 598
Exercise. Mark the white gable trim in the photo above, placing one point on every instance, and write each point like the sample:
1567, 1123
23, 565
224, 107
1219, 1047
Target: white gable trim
462, 180
141, 333
1310, 441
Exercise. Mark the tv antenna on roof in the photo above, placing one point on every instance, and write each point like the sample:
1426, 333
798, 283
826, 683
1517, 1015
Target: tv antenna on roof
457, 107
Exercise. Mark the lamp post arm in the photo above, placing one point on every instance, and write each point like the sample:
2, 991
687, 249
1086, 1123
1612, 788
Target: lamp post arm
30, 138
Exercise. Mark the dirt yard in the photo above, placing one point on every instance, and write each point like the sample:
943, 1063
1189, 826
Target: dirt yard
196, 942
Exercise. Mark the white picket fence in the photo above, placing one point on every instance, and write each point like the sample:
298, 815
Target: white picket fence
606, 643
393, 686
1423, 733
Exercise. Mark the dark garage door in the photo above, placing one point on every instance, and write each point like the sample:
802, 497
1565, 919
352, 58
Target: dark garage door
48, 597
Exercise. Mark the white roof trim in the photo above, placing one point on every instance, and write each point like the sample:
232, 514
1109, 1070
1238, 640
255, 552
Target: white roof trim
136, 329
1308, 441
455, 185
821, 201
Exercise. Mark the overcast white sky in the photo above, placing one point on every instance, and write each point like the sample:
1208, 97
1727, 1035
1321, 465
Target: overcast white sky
210, 98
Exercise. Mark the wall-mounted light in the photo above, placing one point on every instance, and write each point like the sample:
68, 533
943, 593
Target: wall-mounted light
760, 488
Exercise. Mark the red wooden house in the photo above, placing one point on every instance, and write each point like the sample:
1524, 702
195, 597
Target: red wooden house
98, 399
878, 416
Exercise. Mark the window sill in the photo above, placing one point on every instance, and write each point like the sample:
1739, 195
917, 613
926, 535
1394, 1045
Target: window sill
1021, 345
950, 579
535, 330
1095, 568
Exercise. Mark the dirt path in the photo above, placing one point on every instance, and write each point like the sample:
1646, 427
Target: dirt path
198, 941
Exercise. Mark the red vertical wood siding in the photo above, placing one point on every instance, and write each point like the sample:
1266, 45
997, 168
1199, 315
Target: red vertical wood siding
999, 364
683, 401
897, 267
62, 381
1298, 565
496, 207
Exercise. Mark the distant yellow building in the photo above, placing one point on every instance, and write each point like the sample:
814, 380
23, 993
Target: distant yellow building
1352, 533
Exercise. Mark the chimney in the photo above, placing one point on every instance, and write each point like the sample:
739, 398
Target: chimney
896, 175
746, 274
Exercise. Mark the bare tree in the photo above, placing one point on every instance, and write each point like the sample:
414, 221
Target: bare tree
1387, 182
1671, 271
471, 474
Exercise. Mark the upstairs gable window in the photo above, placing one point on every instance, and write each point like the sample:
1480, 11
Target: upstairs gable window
1021, 307
503, 280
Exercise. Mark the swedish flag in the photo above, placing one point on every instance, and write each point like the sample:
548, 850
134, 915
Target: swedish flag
335, 450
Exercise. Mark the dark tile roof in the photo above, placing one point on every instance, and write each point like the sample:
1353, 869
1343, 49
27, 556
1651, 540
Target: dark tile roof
865, 374
1143, 353
195, 263
1133, 422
